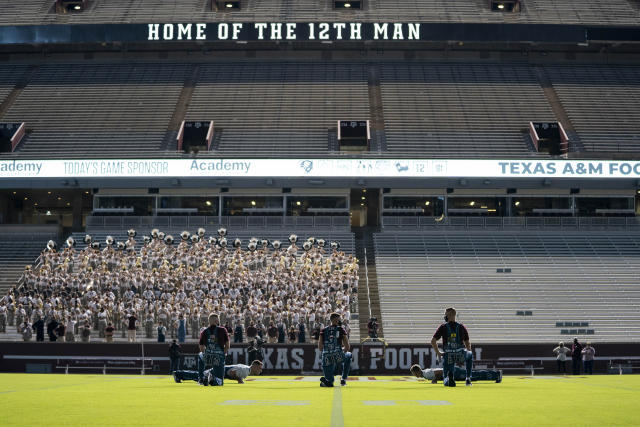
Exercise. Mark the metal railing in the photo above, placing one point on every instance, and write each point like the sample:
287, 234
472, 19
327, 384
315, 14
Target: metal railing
339, 223
366, 275
515, 223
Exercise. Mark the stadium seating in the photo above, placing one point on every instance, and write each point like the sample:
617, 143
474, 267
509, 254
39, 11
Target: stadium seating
21, 257
77, 110
16, 252
460, 110
278, 108
587, 277
615, 12
602, 104
9, 76
289, 109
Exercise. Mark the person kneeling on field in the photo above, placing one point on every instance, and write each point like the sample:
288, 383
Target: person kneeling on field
459, 374
332, 339
231, 372
456, 345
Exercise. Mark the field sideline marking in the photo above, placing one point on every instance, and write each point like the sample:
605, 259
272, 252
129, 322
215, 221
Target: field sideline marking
336, 411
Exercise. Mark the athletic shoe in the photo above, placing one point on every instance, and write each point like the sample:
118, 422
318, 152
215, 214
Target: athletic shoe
325, 383
343, 382
499, 380
452, 381
434, 381
211, 379
205, 380
176, 378
468, 382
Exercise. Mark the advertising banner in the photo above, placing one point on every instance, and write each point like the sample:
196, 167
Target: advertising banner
301, 168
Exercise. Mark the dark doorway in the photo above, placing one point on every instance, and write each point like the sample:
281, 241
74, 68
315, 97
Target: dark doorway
365, 207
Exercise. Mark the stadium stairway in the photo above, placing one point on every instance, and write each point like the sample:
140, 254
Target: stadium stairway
368, 295
9, 95
575, 144
180, 111
17, 251
376, 112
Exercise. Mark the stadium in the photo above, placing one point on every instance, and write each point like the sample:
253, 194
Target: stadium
215, 209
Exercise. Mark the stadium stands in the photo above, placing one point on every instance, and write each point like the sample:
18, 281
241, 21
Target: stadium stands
616, 12
9, 77
18, 250
187, 278
460, 110
79, 110
271, 108
585, 277
466, 110
602, 103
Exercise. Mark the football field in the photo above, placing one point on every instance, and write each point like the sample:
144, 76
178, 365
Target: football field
51, 400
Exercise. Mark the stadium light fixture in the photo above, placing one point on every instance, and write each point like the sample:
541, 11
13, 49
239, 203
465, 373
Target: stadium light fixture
504, 5
354, 4
208, 203
253, 203
472, 203
225, 5
427, 203
517, 203
71, 6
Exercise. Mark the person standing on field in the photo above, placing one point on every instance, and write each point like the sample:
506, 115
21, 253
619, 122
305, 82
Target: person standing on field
561, 357
588, 355
576, 356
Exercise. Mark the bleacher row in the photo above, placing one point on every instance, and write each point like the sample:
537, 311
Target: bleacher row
16, 252
615, 12
290, 108
589, 278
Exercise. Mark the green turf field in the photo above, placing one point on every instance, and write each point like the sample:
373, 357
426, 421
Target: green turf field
32, 399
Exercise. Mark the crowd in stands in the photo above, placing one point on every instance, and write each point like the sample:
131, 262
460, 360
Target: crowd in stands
166, 286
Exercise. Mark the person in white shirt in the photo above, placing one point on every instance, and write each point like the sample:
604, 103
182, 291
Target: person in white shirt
239, 372
436, 374
561, 352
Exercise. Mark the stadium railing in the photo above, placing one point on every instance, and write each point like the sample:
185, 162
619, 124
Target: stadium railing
240, 222
564, 223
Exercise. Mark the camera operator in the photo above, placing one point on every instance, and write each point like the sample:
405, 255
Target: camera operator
255, 349
373, 327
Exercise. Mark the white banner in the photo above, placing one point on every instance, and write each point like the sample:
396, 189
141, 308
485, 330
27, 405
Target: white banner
320, 168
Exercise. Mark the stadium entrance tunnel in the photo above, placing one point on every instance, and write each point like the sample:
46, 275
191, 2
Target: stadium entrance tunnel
364, 207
